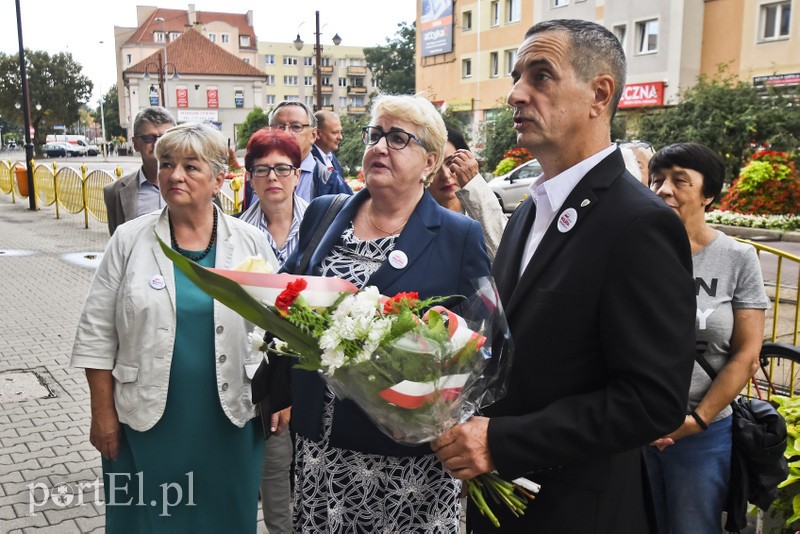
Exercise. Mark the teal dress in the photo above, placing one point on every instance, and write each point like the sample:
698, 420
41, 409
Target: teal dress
194, 471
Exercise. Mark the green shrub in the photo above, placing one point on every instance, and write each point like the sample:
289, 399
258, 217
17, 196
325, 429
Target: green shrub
768, 185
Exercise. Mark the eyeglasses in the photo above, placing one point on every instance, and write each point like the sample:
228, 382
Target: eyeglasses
296, 127
148, 138
395, 138
282, 170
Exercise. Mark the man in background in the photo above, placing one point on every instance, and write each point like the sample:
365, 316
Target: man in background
315, 178
329, 135
137, 193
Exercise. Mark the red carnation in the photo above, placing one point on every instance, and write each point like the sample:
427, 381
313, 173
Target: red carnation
289, 295
395, 304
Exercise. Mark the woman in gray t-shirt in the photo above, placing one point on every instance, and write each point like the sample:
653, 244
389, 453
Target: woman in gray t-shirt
689, 469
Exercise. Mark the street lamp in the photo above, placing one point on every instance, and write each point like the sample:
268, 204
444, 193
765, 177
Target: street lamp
166, 40
298, 44
162, 71
102, 118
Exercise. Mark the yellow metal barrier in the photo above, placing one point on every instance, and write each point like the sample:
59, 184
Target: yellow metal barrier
76, 191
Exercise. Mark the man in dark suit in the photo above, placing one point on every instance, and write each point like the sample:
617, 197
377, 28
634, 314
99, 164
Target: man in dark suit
595, 276
137, 193
329, 135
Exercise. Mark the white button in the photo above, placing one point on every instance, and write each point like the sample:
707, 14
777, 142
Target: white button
225, 386
220, 329
222, 358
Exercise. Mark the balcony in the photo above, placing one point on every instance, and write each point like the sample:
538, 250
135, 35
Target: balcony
326, 69
355, 110
356, 90
356, 71
327, 108
326, 89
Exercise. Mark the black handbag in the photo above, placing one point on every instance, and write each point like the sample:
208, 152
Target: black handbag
757, 461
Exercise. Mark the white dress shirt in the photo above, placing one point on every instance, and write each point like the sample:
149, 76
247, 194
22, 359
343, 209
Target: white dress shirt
549, 194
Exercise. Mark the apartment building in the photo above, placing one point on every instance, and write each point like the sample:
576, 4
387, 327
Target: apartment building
466, 50
290, 75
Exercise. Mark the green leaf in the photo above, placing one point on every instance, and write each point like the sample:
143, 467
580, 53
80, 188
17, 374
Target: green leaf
232, 295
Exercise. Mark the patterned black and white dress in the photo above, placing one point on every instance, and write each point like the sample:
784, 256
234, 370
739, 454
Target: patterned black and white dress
340, 490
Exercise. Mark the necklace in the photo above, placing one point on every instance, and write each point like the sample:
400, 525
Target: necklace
194, 257
387, 232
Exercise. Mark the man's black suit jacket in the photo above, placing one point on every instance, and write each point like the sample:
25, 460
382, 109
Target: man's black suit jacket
603, 324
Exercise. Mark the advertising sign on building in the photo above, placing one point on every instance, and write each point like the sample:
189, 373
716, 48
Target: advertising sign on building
182, 97
436, 27
789, 78
153, 95
460, 104
212, 97
638, 95
238, 97
198, 115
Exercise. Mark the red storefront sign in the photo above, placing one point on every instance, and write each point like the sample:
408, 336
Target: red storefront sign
212, 97
637, 95
182, 97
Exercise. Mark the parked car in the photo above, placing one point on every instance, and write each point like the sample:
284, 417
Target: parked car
55, 150
93, 150
512, 187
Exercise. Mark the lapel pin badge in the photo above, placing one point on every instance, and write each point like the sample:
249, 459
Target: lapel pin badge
567, 220
398, 259
585, 202
157, 282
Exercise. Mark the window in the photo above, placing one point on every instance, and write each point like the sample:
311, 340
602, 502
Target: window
494, 65
244, 40
342, 101
774, 22
494, 13
129, 58
619, 33
308, 81
466, 68
225, 38
341, 63
174, 35
159, 37
342, 82
308, 61
326, 62
510, 59
513, 10
309, 101
290, 80
357, 100
291, 98
289, 60
326, 80
326, 100
270, 79
269, 59
466, 21
270, 99
647, 36
212, 37
560, 3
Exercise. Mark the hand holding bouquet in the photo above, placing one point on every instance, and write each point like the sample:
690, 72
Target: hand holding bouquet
412, 365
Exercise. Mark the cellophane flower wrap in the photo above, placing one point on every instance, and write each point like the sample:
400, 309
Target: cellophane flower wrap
415, 367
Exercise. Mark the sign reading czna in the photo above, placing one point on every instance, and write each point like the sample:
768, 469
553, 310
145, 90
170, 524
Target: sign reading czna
637, 95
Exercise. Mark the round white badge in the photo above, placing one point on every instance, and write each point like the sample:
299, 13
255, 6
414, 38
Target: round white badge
398, 259
157, 282
567, 220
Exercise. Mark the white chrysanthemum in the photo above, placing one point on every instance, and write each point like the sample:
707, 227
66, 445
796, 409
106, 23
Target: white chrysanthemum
256, 341
332, 360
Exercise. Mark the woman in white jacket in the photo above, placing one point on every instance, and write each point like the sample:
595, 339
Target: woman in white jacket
169, 368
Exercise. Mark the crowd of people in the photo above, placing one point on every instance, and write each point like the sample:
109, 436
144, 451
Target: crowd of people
613, 286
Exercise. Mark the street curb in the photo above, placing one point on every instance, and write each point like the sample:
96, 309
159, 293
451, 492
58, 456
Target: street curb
757, 234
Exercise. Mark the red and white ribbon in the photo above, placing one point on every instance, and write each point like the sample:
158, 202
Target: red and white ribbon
321, 292
413, 395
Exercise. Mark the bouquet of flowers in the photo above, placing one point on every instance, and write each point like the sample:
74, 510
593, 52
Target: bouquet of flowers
412, 365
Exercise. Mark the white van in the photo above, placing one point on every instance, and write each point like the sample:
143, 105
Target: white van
79, 140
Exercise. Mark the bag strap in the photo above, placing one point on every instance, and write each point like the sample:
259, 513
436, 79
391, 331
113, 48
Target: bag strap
700, 359
333, 209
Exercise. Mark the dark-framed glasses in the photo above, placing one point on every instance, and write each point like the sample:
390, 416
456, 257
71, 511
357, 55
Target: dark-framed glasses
148, 138
296, 127
282, 170
395, 138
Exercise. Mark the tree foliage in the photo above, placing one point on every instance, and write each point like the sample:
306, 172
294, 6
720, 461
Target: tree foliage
392, 65
254, 121
55, 82
498, 135
111, 114
351, 149
729, 116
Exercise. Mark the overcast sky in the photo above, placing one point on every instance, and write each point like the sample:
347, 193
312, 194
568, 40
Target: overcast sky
78, 27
